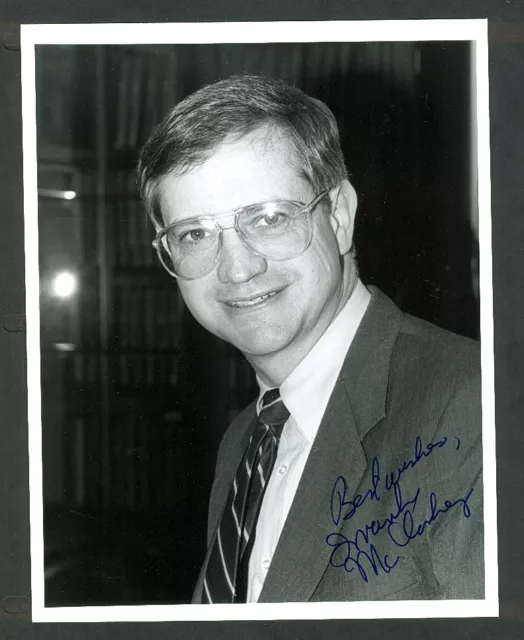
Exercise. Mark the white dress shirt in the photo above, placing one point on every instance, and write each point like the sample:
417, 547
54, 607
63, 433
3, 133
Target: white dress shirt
305, 392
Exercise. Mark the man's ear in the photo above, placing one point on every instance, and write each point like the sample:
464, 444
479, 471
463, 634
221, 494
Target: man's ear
342, 217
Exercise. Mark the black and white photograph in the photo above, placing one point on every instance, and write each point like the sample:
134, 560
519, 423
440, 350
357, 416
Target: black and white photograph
216, 420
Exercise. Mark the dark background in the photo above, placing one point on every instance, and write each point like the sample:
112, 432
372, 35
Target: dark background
135, 395
506, 104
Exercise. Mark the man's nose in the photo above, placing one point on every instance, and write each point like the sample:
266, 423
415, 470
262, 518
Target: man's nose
237, 263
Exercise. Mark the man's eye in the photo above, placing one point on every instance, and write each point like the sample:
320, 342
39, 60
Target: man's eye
193, 236
273, 219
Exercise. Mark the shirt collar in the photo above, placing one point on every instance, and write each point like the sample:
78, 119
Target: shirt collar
307, 389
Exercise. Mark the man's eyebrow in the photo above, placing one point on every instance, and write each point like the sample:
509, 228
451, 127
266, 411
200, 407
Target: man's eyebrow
244, 206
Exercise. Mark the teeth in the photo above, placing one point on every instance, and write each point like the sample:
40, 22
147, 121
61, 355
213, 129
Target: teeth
251, 303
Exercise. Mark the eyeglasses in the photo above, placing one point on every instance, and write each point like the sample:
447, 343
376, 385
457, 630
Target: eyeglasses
278, 230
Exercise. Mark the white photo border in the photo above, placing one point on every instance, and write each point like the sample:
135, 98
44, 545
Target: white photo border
474, 31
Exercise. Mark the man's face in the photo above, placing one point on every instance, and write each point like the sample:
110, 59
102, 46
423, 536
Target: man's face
305, 291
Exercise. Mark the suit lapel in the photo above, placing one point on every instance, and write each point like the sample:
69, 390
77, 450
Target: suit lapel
357, 404
302, 555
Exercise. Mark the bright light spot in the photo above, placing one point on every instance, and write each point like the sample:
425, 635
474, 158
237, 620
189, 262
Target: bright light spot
64, 284
69, 195
65, 346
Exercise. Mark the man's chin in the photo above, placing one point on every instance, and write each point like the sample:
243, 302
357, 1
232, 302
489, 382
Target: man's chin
260, 343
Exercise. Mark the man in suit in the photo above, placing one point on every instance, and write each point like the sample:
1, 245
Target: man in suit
356, 475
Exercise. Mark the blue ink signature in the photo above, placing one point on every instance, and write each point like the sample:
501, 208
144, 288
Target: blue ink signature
354, 552
338, 495
420, 453
408, 529
400, 526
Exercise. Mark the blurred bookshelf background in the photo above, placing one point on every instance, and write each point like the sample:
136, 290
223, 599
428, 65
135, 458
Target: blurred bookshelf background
135, 395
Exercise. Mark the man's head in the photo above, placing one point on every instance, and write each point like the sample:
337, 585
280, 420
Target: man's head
240, 142
231, 109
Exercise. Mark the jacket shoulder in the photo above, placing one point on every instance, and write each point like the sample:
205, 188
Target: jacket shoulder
437, 349
431, 367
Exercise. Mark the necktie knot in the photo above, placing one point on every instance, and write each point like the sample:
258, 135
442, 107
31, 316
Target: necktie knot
274, 412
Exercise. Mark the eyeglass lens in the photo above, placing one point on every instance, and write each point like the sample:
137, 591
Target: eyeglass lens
277, 231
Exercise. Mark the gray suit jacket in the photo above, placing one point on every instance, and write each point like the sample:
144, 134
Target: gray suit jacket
390, 502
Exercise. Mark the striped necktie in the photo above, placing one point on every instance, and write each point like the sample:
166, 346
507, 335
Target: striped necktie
226, 573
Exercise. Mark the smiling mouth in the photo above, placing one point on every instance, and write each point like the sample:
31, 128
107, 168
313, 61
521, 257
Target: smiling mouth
252, 302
